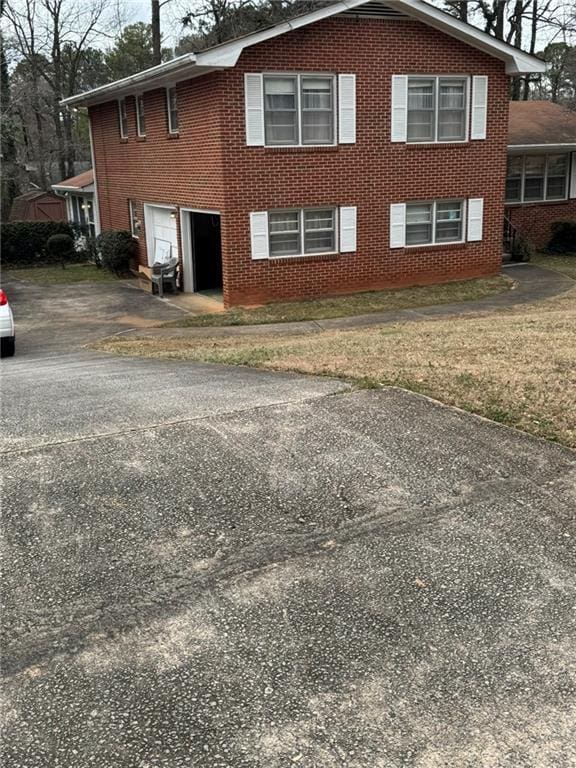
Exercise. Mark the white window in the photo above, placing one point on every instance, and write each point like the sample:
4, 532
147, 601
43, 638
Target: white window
434, 222
123, 119
535, 178
319, 231
437, 109
303, 231
82, 210
140, 116
172, 110
299, 109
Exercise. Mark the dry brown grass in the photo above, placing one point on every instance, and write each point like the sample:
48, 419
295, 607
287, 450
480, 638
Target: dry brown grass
516, 366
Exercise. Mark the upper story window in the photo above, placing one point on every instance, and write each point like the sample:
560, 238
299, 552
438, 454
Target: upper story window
299, 109
535, 178
436, 222
437, 109
140, 116
123, 119
172, 110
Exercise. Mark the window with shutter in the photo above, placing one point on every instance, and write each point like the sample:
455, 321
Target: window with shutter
299, 110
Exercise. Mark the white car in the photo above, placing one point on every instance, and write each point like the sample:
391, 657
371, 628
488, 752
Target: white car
7, 337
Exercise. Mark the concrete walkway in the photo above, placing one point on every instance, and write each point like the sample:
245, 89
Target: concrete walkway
531, 284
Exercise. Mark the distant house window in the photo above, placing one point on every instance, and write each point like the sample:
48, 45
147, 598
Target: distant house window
437, 109
299, 232
135, 225
536, 178
299, 109
123, 119
82, 213
140, 116
172, 110
435, 222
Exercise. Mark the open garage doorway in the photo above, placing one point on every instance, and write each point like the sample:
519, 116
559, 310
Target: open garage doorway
202, 251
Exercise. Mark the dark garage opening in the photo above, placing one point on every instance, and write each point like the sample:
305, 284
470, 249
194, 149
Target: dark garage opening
207, 251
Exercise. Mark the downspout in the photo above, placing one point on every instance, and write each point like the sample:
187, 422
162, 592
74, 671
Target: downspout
96, 201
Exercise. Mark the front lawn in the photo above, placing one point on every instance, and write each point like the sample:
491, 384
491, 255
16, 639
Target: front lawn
55, 275
516, 366
565, 263
356, 304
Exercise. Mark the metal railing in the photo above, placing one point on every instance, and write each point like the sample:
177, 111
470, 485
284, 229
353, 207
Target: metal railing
509, 236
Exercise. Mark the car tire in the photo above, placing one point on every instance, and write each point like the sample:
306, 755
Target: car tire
8, 346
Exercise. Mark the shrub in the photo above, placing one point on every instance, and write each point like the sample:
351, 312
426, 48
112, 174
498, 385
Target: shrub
24, 243
563, 238
522, 248
116, 248
60, 248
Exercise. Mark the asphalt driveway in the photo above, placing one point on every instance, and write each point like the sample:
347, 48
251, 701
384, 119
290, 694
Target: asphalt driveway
210, 566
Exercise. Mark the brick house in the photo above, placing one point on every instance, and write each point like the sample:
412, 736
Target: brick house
357, 147
541, 176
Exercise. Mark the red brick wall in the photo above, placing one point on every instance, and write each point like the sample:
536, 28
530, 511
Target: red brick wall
210, 165
535, 220
182, 170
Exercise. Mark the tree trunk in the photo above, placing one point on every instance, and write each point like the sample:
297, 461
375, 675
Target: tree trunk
156, 39
533, 37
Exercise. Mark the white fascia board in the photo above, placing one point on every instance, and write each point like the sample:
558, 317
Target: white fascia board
182, 68
517, 62
226, 55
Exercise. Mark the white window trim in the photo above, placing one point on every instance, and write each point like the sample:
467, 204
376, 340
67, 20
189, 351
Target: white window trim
522, 201
141, 134
300, 211
120, 118
437, 78
433, 242
171, 130
298, 76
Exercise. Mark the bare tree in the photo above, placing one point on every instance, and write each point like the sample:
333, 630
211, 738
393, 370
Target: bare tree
52, 36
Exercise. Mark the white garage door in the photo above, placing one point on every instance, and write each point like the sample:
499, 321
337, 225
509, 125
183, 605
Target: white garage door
161, 233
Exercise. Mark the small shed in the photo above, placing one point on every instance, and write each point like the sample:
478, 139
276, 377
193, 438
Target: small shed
38, 205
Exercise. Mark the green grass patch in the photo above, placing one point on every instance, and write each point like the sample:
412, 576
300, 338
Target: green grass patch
55, 275
564, 263
347, 306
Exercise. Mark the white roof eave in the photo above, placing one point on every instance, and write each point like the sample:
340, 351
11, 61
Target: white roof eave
226, 55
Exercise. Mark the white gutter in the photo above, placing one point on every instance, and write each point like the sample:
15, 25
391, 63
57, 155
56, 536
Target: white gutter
160, 70
227, 54
549, 147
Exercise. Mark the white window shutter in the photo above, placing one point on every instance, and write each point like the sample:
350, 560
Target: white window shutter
347, 109
573, 176
254, 110
259, 234
399, 107
348, 229
479, 107
475, 216
397, 225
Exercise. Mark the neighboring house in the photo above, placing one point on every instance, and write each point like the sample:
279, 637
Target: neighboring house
357, 147
541, 178
38, 205
80, 205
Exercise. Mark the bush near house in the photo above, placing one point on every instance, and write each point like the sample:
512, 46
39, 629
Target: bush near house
25, 243
60, 248
522, 249
563, 238
116, 248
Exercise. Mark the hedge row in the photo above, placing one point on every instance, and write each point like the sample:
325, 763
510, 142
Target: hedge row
25, 243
